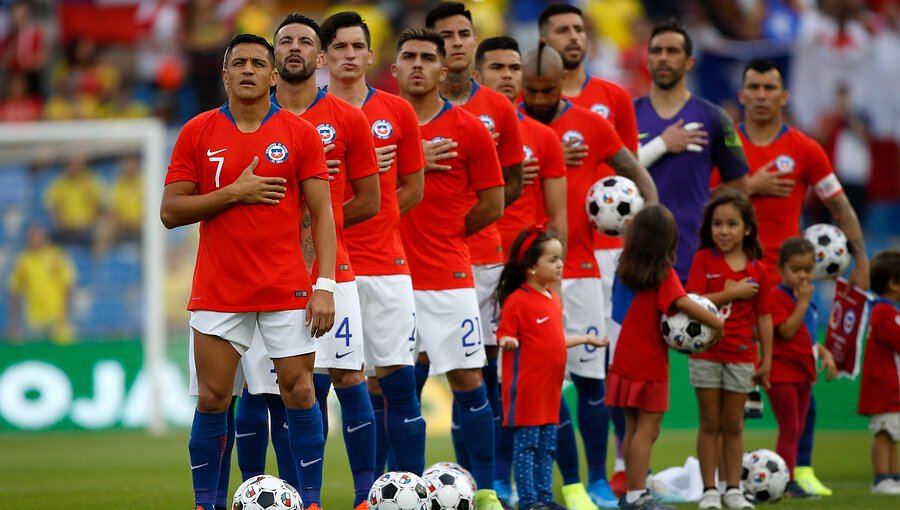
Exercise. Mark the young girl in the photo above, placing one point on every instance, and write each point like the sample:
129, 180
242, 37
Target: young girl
645, 288
531, 331
793, 363
727, 270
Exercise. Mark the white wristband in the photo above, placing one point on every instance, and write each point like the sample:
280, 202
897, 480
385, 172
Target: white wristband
326, 284
652, 151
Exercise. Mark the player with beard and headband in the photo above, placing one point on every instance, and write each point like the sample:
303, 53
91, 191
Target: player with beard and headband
683, 177
542, 80
498, 66
376, 250
245, 192
339, 354
434, 235
562, 28
454, 24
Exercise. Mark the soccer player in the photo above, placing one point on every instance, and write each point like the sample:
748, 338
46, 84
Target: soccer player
562, 28
683, 178
376, 250
454, 24
434, 235
583, 304
245, 191
498, 66
784, 163
297, 55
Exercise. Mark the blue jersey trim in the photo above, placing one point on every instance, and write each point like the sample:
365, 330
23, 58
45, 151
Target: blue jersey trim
319, 95
587, 79
369, 95
475, 87
444, 109
511, 417
622, 297
273, 109
784, 129
810, 318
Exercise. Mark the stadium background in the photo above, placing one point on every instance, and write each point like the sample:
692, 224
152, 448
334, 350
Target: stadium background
72, 303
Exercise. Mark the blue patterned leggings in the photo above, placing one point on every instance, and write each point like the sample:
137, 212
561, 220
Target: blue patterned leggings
534, 449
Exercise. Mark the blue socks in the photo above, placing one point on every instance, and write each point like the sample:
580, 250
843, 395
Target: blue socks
206, 447
567, 447
476, 420
287, 468
222, 495
381, 439
251, 425
805, 446
504, 458
404, 421
456, 435
421, 376
308, 445
358, 424
593, 422
322, 384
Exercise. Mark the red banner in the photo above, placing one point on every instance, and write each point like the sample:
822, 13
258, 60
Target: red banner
847, 327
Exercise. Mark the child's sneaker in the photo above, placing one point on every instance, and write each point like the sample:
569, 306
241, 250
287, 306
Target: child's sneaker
806, 477
601, 494
645, 502
794, 491
710, 499
485, 499
734, 498
576, 497
886, 487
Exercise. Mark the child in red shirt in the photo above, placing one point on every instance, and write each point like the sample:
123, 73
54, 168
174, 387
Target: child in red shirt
646, 287
879, 390
534, 364
793, 363
727, 269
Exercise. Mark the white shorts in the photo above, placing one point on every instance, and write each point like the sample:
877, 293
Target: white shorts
583, 312
389, 320
342, 347
887, 422
194, 386
283, 333
608, 262
449, 328
486, 277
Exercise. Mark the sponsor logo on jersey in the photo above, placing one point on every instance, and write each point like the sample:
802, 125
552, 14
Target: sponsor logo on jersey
573, 134
276, 153
784, 163
382, 129
488, 122
529, 153
327, 132
600, 109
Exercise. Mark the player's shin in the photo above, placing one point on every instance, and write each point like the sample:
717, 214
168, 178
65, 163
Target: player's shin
459, 446
281, 442
593, 422
308, 447
405, 423
251, 424
476, 420
222, 495
358, 424
567, 447
322, 384
206, 447
381, 439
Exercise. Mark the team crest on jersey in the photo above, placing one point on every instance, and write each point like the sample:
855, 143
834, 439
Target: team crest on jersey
276, 153
785, 163
382, 129
573, 134
327, 132
488, 122
600, 109
529, 153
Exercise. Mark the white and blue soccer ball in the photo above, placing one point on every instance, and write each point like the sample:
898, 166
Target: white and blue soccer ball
455, 467
266, 492
611, 204
831, 250
448, 489
685, 334
764, 476
398, 490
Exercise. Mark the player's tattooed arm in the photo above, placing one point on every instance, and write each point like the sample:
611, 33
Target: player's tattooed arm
624, 164
306, 238
846, 219
512, 187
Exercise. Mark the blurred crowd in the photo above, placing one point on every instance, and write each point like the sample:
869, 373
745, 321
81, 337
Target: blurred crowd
100, 59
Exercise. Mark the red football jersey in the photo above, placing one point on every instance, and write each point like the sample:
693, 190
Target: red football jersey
779, 218
879, 389
577, 123
498, 115
641, 352
340, 123
614, 104
711, 273
374, 245
434, 232
541, 143
532, 374
792, 358
249, 258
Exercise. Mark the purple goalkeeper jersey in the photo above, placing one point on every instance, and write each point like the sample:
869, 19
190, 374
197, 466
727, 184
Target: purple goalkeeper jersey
682, 180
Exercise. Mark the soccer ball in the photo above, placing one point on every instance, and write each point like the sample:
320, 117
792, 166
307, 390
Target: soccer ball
398, 490
832, 254
764, 475
456, 467
685, 334
448, 489
611, 204
266, 492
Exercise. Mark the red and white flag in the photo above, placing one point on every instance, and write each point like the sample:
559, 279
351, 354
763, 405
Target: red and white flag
847, 327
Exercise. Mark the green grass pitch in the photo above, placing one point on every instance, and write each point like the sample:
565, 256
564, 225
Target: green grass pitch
131, 470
